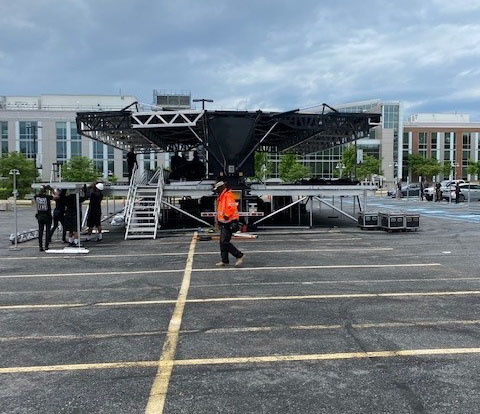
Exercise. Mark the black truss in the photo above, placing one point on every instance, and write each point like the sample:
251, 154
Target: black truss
293, 131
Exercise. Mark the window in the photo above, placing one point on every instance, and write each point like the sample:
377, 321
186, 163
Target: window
422, 144
61, 132
3, 138
28, 137
76, 141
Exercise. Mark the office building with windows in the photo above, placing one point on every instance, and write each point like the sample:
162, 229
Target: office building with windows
382, 142
43, 128
448, 138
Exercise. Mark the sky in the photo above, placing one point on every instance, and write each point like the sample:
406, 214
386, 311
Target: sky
248, 54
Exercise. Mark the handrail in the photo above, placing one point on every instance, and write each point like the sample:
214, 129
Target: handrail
158, 199
128, 201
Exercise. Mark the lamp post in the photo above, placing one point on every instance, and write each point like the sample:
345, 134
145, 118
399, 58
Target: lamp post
14, 173
203, 100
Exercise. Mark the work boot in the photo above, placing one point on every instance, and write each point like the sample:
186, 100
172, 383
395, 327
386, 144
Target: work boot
221, 264
239, 261
41, 249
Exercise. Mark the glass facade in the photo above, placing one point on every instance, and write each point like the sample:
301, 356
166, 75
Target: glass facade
422, 144
98, 156
434, 145
28, 138
466, 152
3, 138
69, 143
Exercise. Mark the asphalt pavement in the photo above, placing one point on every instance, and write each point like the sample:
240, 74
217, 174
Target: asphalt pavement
329, 320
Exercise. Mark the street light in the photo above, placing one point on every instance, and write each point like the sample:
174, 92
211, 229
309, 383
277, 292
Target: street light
203, 100
14, 173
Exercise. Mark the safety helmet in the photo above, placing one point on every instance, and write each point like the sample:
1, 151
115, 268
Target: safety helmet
100, 186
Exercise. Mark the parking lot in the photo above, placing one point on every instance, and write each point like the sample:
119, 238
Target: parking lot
331, 320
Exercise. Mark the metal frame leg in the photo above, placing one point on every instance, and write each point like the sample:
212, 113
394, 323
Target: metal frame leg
337, 209
281, 209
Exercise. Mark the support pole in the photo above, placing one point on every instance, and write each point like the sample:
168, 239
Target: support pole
280, 209
364, 200
79, 228
187, 214
311, 212
337, 209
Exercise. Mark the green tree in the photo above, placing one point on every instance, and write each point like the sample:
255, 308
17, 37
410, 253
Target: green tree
473, 167
79, 169
263, 166
349, 159
446, 169
425, 167
291, 170
368, 167
28, 174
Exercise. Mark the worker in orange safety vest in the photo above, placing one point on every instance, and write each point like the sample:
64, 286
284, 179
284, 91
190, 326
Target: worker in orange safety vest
227, 217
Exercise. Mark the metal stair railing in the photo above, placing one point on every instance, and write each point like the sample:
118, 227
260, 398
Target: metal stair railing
158, 199
131, 189
130, 212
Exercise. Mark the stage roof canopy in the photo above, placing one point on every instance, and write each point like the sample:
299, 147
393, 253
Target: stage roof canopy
170, 131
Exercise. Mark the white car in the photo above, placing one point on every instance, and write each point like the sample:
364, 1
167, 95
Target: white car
444, 187
465, 189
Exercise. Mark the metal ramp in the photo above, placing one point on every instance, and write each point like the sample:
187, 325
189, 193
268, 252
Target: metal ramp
143, 206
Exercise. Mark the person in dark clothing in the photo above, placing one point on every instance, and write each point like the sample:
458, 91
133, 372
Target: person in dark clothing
71, 217
422, 189
457, 193
438, 192
59, 213
131, 162
227, 218
196, 168
175, 163
44, 216
94, 218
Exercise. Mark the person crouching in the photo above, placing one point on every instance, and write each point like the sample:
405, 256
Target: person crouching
227, 216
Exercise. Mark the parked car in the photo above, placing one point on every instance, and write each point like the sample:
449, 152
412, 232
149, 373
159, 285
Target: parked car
465, 189
444, 186
411, 189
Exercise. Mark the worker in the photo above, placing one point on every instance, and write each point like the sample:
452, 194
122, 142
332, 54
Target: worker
438, 192
174, 166
131, 162
59, 213
71, 217
457, 193
227, 217
94, 218
44, 216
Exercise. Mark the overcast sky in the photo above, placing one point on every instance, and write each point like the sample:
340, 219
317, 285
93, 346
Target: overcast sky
248, 54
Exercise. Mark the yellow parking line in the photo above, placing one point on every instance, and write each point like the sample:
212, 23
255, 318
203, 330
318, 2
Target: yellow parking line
335, 296
308, 267
248, 299
158, 392
103, 256
324, 282
133, 272
149, 272
330, 356
243, 360
374, 325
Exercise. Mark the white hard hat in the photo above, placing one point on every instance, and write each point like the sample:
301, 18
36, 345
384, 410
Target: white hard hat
100, 186
219, 184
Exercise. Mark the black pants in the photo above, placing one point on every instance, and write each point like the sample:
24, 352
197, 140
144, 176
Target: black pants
225, 245
44, 223
130, 172
58, 217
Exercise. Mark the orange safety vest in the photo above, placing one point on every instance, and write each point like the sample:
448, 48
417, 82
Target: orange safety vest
227, 207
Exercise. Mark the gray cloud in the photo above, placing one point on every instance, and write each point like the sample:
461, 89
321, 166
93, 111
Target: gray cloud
249, 54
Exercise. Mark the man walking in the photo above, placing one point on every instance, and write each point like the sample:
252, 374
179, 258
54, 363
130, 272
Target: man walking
131, 162
44, 216
94, 218
227, 216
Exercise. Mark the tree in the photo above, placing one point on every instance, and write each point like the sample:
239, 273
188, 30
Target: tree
446, 169
263, 166
28, 174
79, 169
291, 170
425, 167
473, 167
349, 159
368, 167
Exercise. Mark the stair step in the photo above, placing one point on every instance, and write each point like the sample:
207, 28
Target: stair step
140, 236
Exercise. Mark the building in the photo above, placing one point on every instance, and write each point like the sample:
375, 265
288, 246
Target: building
44, 128
382, 142
449, 138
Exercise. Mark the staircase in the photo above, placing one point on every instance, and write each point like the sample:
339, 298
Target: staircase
144, 207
